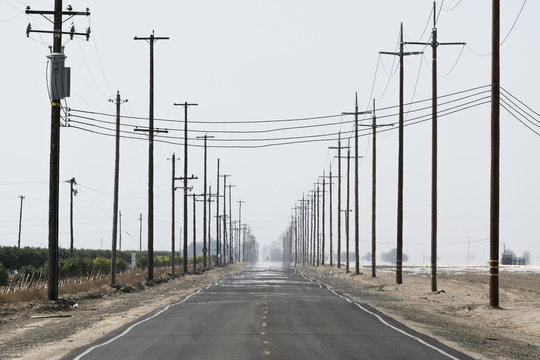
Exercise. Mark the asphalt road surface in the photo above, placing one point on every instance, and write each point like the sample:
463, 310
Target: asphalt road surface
266, 312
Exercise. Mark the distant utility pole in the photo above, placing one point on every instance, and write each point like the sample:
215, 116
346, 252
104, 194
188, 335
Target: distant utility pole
339, 157
151, 40
218, 260
495, 153
318, 234
240, 243
329, 212
205, 241
173, 206
230, 224
224, 218
194, 231
356, 180
73, 192
58, 79
118, 101
434, 44
20, 222
399, 251
185, 178
323, 244
347, 216
374, 127
209, 227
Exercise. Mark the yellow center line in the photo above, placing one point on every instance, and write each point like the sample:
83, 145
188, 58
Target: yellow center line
263, 324
265, 317
266, 352
262, 333
266, 342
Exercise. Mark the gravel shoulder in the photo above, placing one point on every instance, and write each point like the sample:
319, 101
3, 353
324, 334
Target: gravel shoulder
458, 314
50, 330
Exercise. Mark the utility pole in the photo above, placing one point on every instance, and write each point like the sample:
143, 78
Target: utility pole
434, 44
73, 192
118, 101
317, 228
194, 232
185, 178
495, 153
339, 157
230, 224
20, 222
218, 260
151, 40
329, 213
374, 127
356, 180
399, 250
224, 250
323, 244
209, 227
205, 249
240, 243
173, 206
58, 80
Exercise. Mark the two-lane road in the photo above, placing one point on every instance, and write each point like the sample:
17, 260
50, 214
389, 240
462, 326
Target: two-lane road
266, 312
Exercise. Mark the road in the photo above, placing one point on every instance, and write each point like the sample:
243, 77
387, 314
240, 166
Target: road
266, 312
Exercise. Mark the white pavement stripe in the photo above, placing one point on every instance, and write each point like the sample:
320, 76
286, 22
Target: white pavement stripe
89, 350
395, 328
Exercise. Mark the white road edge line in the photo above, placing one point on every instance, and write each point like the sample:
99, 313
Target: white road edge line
89, 350
393, 327
407, 334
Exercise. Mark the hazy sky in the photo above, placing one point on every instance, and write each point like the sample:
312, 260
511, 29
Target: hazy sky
251, 60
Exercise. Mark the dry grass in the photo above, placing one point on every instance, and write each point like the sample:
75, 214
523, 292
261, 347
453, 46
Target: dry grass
135, 279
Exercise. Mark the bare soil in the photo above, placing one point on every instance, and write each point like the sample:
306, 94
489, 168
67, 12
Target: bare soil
458, 313
43, 329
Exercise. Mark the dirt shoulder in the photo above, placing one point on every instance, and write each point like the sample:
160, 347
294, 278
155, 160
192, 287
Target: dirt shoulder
50, 330
458, 314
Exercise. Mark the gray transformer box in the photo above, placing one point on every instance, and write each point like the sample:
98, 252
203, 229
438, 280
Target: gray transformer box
60, 77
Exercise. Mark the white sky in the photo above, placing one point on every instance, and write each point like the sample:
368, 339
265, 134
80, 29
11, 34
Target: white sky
255, 60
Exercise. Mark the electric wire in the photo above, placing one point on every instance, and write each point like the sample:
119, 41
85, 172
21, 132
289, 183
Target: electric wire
410, 122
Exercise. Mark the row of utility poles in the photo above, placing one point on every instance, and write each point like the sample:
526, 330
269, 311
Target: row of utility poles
302, 240
59, 84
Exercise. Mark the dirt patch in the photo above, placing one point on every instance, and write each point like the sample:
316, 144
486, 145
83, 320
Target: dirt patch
458, 313
50, 330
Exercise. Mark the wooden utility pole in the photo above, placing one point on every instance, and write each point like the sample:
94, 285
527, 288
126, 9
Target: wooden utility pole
218, 259
339, 157
230, 224
186, 178
356, 181
209, 227
434, 44
347, 222
399, 250
20, 222
240, 238
118, 101
224, 218
205, 238
73, 192
58, 72
151, 40
194, 232
173, 206
495, 152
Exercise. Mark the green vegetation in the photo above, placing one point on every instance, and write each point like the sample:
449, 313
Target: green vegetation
32, 262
